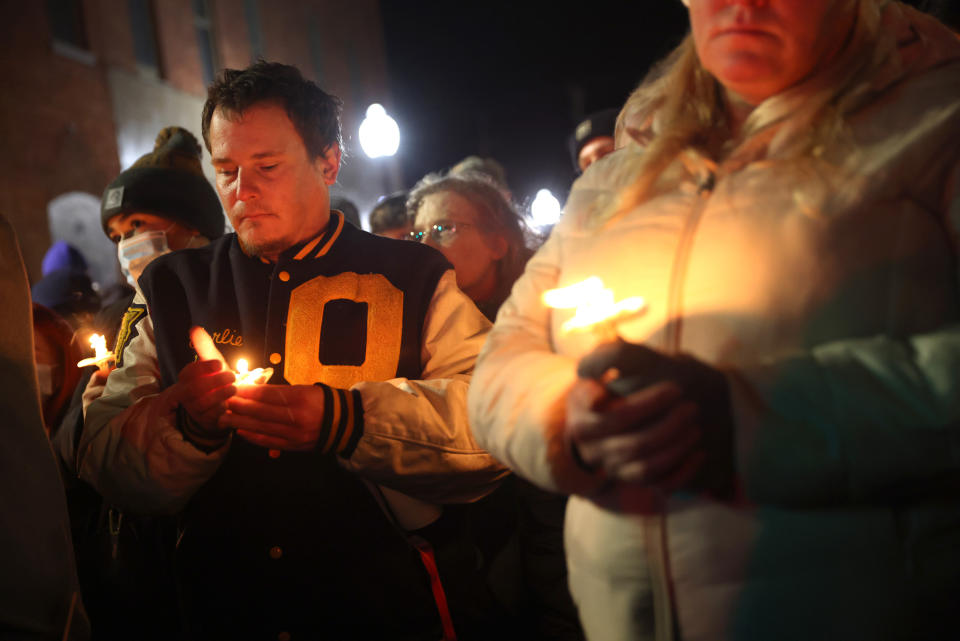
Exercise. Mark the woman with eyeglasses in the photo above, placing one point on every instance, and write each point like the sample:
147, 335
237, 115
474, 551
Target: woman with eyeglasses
519, 528
771, 450
470, 222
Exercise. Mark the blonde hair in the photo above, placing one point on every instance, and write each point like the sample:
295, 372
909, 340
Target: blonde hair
682, 106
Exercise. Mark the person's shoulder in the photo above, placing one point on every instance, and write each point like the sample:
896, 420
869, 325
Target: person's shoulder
183, 262
598, 188
393, 249
195, 255
924, 73
923, 42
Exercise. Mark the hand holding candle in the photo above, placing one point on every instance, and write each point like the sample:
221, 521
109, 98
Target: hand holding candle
219, 399
207, 350
203, 387
664, 421
637, 414
246, 376
595, 307
102, 356
204, 346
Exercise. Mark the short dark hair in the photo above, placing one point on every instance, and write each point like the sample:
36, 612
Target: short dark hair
314, 113
389, 213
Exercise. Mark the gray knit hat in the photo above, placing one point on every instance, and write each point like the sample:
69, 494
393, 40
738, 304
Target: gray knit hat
167, 182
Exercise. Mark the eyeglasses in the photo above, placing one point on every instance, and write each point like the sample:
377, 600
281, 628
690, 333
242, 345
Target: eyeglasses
443, 232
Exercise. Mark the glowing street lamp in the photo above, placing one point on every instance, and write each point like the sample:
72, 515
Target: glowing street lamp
379, 133
545, 209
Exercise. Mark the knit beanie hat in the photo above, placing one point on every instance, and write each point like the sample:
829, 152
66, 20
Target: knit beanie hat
600, 123
167, 182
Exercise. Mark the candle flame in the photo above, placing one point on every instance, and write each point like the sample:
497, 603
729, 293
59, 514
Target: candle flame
102, 355
594, 304
99, 344
246, 376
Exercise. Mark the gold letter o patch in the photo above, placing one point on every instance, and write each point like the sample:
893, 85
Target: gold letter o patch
305, 318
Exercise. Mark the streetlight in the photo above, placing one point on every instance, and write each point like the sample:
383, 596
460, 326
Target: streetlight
379, 133
545, 209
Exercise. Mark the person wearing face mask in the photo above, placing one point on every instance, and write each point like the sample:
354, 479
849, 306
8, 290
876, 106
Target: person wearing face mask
56, 355
161, 204
769, 450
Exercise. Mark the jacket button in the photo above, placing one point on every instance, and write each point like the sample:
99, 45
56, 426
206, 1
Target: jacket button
283, 636
275, 358
284, 276
275, 552
273, 453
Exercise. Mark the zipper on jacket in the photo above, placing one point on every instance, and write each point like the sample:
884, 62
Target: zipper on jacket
655, 526
681, 260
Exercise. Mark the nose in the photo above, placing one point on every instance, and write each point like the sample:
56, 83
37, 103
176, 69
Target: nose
246, 186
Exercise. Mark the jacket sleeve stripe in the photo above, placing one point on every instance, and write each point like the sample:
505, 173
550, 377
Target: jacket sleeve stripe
355, 423
324, 440
345, 416
204, 441
333, 409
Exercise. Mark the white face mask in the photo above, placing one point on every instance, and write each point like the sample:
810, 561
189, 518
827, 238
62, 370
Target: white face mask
45, 380
136, 252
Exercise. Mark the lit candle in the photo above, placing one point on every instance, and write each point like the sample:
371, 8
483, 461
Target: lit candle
102, 356
246, 376
207, 350
594, 307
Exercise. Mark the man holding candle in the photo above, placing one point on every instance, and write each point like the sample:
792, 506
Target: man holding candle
371, 344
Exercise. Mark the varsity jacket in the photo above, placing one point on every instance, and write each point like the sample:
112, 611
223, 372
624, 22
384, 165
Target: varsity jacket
294, 542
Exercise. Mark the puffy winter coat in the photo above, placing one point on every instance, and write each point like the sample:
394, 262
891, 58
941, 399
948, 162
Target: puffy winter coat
837, 323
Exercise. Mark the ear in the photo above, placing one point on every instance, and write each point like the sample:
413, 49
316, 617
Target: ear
498, 245
327, 164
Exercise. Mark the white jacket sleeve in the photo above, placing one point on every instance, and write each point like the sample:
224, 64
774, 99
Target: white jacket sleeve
518, 394
131, 450
416, 436
851, 421
857, 419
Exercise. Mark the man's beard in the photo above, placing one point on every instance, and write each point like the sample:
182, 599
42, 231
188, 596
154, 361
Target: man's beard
262, 248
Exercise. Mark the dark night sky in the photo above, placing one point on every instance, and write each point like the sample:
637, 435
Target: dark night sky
512, 79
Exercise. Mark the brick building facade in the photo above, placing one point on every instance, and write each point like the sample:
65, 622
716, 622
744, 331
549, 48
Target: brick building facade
87, 84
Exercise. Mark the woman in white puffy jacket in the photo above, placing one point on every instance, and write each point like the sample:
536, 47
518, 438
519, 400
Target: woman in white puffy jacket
772, 451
